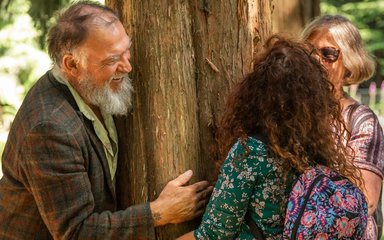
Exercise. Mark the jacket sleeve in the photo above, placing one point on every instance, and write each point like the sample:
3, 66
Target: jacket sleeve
54, 170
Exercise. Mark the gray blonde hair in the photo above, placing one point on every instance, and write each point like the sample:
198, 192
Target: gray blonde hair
356, 59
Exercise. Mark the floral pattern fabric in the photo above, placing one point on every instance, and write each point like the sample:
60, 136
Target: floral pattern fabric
249, 181
324, 205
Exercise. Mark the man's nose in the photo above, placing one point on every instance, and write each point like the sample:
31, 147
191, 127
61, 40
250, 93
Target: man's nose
124, 65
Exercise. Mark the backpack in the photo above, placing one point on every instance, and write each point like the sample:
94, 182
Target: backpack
322, 205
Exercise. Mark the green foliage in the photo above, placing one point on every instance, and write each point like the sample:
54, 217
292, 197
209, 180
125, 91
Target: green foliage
21, 60
6, 109
9, 10
42, 12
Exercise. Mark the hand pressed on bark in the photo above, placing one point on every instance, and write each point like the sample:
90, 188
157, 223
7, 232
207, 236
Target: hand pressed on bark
178, 203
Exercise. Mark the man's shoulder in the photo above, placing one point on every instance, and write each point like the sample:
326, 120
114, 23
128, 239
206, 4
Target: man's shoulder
47, 101
46, 90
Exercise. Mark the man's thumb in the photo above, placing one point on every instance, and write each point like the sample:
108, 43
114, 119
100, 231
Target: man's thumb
184, 178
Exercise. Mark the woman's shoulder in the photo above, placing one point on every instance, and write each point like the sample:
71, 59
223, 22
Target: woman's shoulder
249, 141
359, 115
249, 151
254, 145
358, 109
248, 147
367, 139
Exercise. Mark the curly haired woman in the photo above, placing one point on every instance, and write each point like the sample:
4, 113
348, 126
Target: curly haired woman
277, 122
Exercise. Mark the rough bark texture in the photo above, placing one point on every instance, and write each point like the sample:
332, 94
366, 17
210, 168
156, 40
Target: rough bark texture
290, 17
226, 35
185, 57
160, 139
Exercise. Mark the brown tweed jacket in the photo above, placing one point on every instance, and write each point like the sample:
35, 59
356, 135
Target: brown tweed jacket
56, 182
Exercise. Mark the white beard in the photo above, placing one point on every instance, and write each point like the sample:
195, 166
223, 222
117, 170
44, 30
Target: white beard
113, 102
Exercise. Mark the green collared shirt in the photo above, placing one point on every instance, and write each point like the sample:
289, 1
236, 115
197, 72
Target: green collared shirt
107, 134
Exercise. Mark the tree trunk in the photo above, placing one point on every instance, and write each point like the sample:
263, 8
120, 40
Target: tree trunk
290, 17
185, 57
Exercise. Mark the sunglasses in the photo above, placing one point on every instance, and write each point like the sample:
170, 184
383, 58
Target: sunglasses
328, 54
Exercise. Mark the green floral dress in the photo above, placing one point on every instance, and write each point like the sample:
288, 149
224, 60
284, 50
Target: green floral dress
247, 182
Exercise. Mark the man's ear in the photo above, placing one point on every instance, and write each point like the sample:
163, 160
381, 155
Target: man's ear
70, 66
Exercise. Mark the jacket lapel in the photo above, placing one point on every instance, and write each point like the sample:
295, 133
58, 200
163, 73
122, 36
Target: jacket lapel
98, 147
96, 143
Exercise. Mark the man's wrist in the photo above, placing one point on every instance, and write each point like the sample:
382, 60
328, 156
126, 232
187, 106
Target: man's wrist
157, 215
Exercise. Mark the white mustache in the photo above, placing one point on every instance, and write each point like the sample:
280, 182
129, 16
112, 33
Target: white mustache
120, 76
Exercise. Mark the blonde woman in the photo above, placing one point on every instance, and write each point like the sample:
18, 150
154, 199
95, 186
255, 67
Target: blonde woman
339, 47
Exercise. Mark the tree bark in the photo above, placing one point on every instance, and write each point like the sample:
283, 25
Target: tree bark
290, 17
185, 57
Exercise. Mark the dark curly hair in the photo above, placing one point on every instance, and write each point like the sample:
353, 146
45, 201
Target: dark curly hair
288, 99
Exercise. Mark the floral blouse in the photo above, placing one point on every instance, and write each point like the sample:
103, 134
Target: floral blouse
249, 181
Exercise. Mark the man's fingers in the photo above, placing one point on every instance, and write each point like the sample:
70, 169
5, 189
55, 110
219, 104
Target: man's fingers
202, 195
199, 186
199, 213
201, 204
183, 178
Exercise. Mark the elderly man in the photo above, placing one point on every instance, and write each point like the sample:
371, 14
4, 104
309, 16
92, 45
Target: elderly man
59, 162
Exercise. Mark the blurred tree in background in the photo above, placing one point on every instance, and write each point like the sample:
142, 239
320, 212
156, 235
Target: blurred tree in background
42, 12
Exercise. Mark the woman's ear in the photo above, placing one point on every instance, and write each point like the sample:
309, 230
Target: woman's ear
70, 66
347, 73
348, 77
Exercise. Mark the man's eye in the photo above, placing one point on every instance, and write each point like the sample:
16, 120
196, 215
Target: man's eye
110, 63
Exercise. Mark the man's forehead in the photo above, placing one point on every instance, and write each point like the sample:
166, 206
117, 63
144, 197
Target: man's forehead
106, 41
